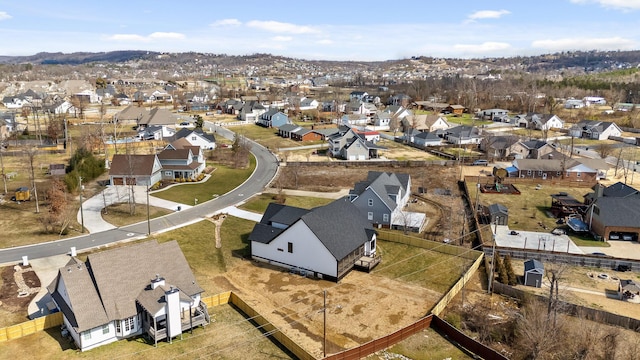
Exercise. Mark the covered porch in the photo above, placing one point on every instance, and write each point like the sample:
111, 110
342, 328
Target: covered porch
156, 328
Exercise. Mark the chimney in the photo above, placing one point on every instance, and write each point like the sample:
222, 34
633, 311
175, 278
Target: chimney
172, 309
599, 189
158, 281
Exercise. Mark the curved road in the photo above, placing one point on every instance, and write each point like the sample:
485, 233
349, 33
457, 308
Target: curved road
266, 168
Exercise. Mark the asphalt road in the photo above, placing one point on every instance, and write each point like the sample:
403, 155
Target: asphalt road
266, 168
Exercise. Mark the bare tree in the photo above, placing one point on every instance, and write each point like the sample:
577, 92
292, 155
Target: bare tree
604, 149
31, 153
3, 146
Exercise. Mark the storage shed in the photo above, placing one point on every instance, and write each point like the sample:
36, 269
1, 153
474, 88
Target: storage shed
533, 273
499, 214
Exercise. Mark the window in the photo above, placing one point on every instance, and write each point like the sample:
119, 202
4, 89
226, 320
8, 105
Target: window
86, 335
370, 215
118, 327
290, 247
194, 138
129, 324
578, 174
105, 329
385, 217
539, 172
167, 173
568, 174
558, 173
529, 172
370, 202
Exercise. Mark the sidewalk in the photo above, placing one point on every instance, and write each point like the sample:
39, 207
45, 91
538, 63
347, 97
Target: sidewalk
92, 207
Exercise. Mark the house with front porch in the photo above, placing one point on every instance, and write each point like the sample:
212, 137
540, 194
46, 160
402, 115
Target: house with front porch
134, 169
349, 145
251, 111
425, 122
181, 160
533, 149
197, 137
325, 242
273, 118
462, 135
546, 122
595, 130
158, 117
142, 289
583, 170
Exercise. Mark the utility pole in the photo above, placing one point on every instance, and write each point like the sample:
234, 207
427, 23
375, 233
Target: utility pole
493, 256
148, 217
81, 212
324, 324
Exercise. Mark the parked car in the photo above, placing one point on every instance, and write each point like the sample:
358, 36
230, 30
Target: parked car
513, 232
623, 268
480, 162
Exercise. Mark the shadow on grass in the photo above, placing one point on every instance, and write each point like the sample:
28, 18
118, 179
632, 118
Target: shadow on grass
244, 252
66, 343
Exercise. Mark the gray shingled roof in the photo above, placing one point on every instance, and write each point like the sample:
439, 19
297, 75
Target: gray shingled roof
622, 212
106, 287
340, 226
132, 164
383, 184
533, 264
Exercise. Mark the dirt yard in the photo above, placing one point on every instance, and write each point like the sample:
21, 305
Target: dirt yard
361, 307
19, 286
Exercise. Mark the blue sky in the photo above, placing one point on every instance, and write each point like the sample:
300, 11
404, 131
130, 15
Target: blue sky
322, 30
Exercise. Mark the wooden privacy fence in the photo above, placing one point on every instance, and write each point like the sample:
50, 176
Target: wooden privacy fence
383, 342
455, 289
30, 327
270, 329
436, 246
599, 316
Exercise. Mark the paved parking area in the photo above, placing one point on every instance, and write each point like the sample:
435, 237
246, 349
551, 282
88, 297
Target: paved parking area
619, 249
533, 240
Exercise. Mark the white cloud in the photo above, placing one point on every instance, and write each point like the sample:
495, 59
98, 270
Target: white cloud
127, 37
227, 22
613, 43
150, 37
4, 16
488, 14
488, 46
280, 27
324, 42
282, 38
166, 36
614, 4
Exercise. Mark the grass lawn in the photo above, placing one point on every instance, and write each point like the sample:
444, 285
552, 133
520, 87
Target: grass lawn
259, 203
426, 345
426, 268
222, 180
118, 214
529, 208
220, 340
265, 136
466, 119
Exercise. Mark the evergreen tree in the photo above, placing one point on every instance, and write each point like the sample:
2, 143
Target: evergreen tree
498, 267
511, 275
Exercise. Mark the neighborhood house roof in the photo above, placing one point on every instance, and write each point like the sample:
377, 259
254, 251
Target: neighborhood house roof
131, 164
107, 285
339, 225
617, 212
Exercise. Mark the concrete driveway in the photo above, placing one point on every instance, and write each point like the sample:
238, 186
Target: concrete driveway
619, 249
113, 194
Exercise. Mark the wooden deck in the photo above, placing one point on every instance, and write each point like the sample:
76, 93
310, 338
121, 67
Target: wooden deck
367, 263
201, 318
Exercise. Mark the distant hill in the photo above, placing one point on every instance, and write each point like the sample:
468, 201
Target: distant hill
79, 57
